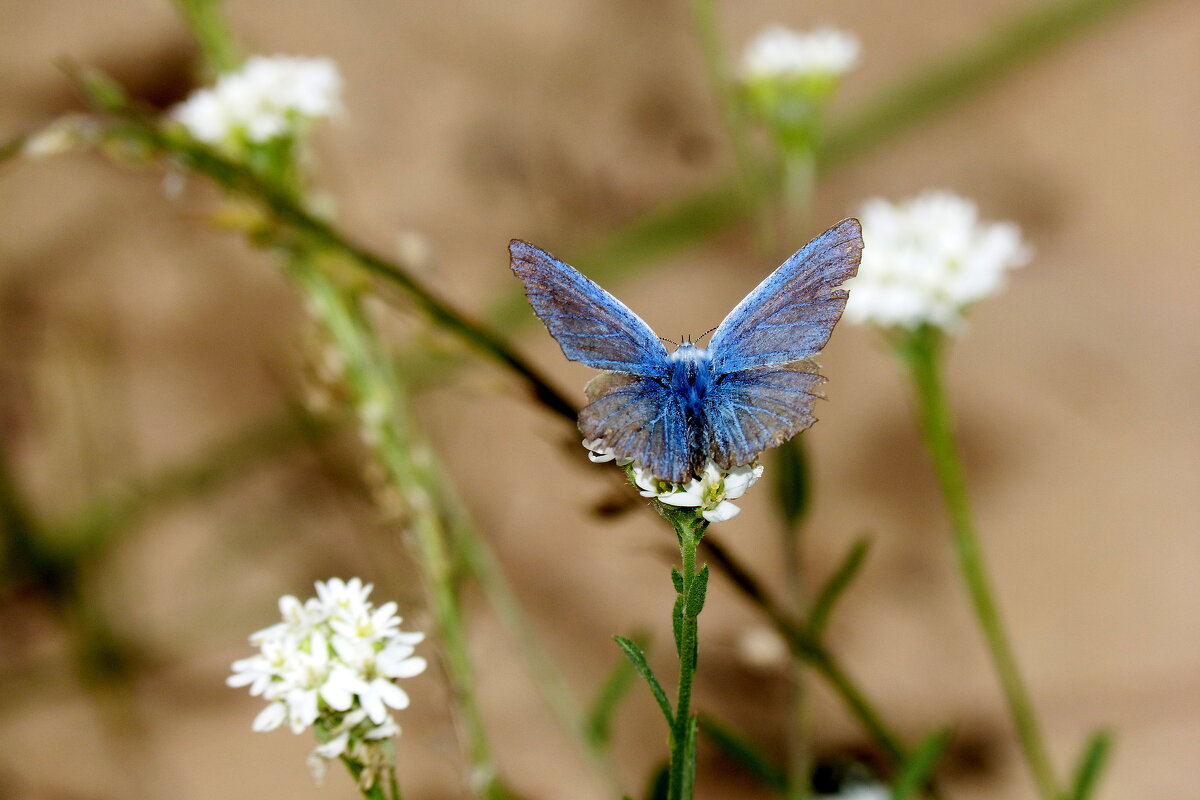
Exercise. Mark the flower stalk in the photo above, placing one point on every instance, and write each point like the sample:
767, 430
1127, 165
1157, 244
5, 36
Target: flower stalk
921, 351
691, 586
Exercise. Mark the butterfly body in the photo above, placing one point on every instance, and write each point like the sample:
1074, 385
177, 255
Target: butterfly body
751, 389
691, 377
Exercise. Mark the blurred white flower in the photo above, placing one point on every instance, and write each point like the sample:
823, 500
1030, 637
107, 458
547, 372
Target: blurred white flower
332, 663
711, 492
778, 52
762, 648
926, 259
861, 791
266, 99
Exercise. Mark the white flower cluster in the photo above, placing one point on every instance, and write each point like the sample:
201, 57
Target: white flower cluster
926, 259
332, 662
779, 52
710, 493
266, 99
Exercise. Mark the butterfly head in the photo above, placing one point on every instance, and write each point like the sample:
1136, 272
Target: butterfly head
687, 350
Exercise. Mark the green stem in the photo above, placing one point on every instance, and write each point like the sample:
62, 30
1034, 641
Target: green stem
921, 351
481, 561
799, 760
799, 186
375, 791
212, 34
708, 29
689, 528
373, 385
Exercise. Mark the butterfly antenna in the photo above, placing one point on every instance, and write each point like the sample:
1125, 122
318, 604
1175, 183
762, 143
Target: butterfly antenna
706, 333
668, 341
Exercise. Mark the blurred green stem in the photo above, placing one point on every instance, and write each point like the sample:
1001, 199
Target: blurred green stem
706, 17
208, 26
799, 187
921, 350
799, 745
380, 403
812, 651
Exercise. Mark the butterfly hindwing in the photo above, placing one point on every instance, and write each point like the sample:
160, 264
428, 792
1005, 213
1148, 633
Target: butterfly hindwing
590, 325
641, 419
752, 410
789, 316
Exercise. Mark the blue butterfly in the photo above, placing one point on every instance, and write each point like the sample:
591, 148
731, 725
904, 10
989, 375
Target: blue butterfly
751, 389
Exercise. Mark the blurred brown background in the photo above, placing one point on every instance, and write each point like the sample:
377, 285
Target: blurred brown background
135, 339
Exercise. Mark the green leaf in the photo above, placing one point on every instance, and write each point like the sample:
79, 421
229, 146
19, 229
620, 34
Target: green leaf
103, 91
660, 783
638, 659
791, 482
1091, 764
598, 725
832, 591
695, 601
918, 768
677, 580
744, 753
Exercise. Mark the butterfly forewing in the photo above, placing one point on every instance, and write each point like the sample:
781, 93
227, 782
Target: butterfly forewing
639, 418
590, 325
752, 410
790, 315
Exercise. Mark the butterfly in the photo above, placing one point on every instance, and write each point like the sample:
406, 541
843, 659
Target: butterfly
752, 388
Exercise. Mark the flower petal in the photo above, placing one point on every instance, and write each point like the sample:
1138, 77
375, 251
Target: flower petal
725, 510
270, 717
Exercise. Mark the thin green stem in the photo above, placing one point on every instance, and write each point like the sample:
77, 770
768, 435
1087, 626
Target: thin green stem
481, 561
689, 528
799, 756
921, 351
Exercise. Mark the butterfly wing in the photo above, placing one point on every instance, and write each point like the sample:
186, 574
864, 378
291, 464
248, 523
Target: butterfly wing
590, 325
639, 418
790, 315
749, 411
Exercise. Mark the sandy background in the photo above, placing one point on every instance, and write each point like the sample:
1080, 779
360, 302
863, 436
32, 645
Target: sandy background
133, 338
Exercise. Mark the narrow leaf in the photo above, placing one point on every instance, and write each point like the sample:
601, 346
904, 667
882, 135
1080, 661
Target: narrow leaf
598, 725
918, 768
1091, 764
792, 486
832, 591
638, 659
745, 754
677, 580
695, 603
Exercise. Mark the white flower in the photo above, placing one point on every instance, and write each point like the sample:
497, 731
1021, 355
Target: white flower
781, 53
266, 99
332, 662
711, 492
926, 259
